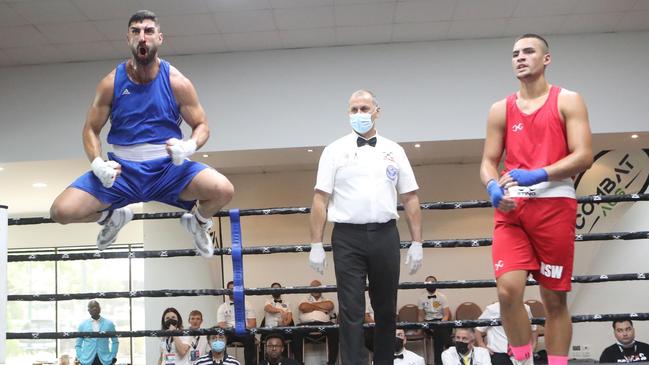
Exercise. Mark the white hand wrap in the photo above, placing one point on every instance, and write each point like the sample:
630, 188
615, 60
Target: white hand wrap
415, 256
317, 257
105, 171
180, 150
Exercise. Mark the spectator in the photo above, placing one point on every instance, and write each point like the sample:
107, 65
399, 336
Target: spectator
225, 319
626, 348
174, 349
403, 356
95, 351
315, 310
278, 312
433, 306
217, 354
464, 351
497, 343
199, 346
64, 360
274, 346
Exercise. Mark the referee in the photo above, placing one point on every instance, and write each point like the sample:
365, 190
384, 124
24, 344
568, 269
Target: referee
359, 176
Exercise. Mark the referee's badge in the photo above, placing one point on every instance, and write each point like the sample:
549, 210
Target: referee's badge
392, 172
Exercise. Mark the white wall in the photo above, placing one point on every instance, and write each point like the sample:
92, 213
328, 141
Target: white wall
429, 92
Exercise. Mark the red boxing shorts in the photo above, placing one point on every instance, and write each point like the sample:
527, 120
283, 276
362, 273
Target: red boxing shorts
537, 236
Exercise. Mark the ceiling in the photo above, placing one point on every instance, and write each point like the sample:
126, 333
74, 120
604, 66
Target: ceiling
51, 31
17, 178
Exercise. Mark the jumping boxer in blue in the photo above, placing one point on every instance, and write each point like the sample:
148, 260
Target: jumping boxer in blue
146, 100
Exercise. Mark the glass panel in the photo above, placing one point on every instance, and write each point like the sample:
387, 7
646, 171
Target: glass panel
30, 278
93, 276
73, 277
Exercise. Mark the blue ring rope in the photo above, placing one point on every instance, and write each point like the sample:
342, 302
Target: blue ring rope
237, 268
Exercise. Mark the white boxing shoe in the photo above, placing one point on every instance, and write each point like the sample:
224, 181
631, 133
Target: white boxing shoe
200, 233
117, 219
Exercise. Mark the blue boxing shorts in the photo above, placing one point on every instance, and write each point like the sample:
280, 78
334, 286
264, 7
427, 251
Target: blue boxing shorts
143, 181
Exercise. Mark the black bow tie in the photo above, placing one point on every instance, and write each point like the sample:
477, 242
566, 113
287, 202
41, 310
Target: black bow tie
400, 356
432, 296
278, 300
360, 141
231, 303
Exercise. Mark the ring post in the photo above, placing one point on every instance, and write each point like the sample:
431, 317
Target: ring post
3, 281
237, 268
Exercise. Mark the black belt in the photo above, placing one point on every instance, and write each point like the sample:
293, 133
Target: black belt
369, 226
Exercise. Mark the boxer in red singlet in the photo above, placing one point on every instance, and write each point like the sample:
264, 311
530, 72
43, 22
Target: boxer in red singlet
544, 132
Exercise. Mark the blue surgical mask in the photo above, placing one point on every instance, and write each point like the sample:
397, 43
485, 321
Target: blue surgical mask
361, 122
218, 346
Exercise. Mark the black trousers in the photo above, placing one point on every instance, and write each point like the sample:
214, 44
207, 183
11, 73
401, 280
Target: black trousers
96, 361
500, 358
441, 341
249, 350
361, 252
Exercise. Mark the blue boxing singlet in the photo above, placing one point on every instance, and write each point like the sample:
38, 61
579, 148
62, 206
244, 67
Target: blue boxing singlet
143, 113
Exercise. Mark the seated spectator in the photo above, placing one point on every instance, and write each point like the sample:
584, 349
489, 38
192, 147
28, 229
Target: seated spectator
315, 310
225, 319
433, 306
173, 349
464, 351
278, 312
497, 343
217, 353
625, 348
199, 346
403, 356
274, 346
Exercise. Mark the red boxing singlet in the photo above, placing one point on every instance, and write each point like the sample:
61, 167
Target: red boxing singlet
534, 140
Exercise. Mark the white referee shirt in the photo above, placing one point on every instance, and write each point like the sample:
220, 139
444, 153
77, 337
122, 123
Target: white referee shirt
433, 305
316, 315
225, 313
363, 182
496, 338
272, 319
409, 358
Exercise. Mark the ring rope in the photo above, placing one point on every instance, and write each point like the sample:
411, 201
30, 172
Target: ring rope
262, 250
491, 283
320, 328
237, 272
596, 199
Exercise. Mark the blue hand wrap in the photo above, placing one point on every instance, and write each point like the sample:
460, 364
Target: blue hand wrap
529, 177
496, 193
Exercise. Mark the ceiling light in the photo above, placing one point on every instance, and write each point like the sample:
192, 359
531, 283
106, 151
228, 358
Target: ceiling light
634, 136
2, 168
206, 156
39, 185
417, 145
309, 150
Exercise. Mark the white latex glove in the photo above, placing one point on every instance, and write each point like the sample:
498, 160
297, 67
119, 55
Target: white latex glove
415, 256
106, 171
317, 258
180, 150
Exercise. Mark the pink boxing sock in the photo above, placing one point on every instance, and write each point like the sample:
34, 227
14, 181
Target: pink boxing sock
522, 352
557, 360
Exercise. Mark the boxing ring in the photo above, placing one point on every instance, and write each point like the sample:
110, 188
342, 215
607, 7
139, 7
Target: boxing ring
240, 291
